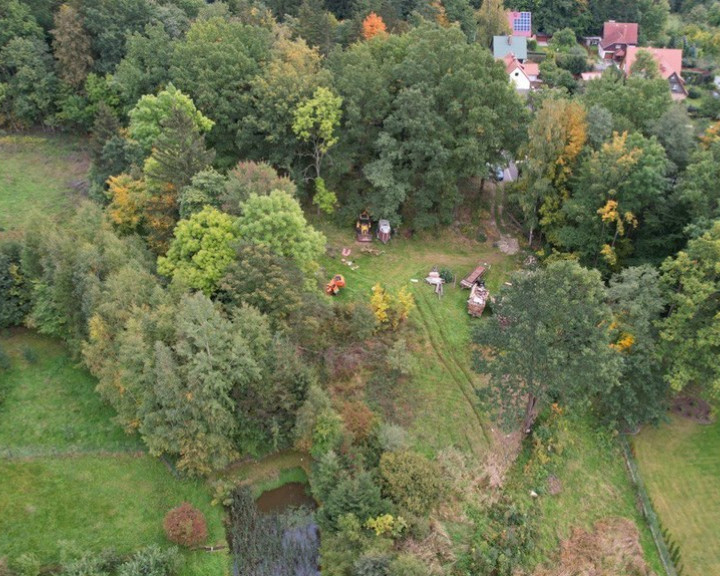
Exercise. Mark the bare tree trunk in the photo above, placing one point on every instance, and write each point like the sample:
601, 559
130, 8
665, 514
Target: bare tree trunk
531, 412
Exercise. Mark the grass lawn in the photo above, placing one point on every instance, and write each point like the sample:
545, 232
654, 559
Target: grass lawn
595, 485
72, 480
437, 403
680, 464
51, 405
36, 173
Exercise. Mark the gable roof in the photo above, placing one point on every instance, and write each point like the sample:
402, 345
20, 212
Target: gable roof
515, 45
669, 60
619, 33
531, 68
528, 69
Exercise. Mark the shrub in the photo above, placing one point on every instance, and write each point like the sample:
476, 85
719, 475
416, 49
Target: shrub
372, 565
30, 355
694, 93
5, 363
406, 565
411, 480
92, 564
152, 561
185, 525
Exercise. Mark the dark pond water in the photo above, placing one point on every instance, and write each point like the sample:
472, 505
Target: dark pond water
270, 536
292, 495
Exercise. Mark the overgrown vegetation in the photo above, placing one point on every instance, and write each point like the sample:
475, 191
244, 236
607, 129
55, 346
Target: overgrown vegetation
189, 281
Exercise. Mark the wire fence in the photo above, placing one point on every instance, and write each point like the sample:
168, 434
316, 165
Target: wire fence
668, 558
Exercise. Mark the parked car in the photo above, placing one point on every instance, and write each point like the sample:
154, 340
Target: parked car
499, 173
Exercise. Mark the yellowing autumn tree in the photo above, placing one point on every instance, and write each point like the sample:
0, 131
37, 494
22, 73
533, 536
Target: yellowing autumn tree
129, 199
372, 26
380, 304
556, 138
391, 310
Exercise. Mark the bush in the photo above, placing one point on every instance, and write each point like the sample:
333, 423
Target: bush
372, 565
5, 363
694, 93
407, 565
92, 564
152, 561
185, 525
30, 355
412, 481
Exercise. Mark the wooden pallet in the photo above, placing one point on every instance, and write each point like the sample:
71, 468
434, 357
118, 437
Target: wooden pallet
473, 277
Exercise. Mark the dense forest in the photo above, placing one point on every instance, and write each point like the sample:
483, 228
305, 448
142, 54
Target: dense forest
224, 136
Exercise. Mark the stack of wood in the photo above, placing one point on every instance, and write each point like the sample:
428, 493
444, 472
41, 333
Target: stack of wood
478, 299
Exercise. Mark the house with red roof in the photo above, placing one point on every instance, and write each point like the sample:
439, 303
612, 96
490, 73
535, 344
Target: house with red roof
669, 61
525, 76
616, 38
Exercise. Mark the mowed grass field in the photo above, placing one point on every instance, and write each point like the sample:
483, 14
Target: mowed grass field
438, 404
37, 174
680, 464
72, 480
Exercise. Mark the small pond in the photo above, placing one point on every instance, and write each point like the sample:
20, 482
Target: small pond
287, 496
275, 534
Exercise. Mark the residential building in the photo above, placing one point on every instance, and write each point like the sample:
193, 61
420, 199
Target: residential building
616, 38
525, 76
520, 23
669, 61
515, 45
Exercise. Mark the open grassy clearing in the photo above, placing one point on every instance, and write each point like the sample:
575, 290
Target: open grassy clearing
73, 481
36, 176
51, 406
437, 403
595, 485
680, 466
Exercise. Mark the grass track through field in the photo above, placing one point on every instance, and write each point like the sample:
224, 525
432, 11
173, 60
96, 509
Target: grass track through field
434, 330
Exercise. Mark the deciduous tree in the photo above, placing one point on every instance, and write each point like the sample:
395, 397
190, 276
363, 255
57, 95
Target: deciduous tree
372, 26
316, 120
152, 113
248, 178
277, 222
640, 395
691, 332
215, 65
201, 250
536, 350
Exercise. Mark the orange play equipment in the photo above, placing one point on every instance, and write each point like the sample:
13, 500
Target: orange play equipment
333, 287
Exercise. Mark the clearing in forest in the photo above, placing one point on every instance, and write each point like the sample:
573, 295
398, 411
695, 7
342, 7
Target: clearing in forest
40, 175
72, 481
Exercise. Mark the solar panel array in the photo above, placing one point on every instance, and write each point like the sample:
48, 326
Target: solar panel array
522, 22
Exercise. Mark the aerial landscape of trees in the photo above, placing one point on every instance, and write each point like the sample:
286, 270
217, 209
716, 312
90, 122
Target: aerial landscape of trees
230, 147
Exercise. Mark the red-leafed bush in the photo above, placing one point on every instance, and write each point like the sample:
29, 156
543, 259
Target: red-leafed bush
185, 525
